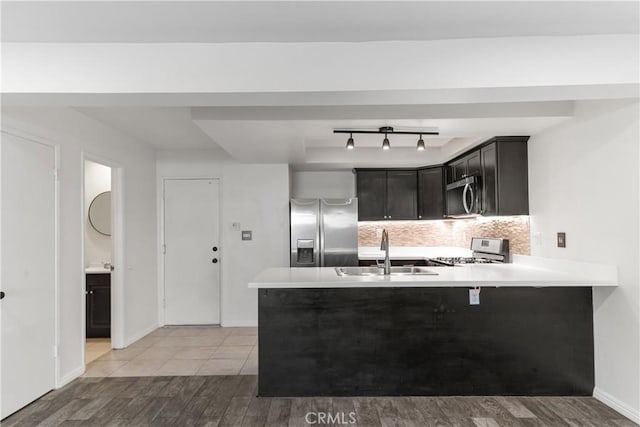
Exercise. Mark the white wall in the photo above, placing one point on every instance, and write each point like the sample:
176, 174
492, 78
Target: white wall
256, 196
97, 179
583, 180
328, 185
76, 134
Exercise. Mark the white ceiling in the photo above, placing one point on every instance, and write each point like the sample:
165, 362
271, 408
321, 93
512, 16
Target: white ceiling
296, 127
307, 21
310, 143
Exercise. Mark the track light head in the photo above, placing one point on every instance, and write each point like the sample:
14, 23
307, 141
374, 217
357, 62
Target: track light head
420, 146
385, 143
350, 142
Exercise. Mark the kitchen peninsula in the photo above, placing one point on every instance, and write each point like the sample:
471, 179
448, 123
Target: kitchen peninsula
322, 334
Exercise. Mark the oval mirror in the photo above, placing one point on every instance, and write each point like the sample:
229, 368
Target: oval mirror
100, 213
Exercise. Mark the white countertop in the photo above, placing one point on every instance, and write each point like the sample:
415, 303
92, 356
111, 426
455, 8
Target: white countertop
97, 270
524, 272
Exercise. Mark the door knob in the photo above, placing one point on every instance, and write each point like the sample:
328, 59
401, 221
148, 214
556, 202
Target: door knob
215, 260
215, 249
1, 294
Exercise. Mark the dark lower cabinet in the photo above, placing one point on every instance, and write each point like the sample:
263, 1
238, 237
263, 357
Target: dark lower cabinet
431, 193
425, 342
98, 305
394, 262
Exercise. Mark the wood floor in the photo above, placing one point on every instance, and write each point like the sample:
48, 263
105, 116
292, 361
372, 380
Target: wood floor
231, 401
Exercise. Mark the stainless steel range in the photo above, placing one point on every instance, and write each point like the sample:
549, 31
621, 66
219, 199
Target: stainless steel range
485, 251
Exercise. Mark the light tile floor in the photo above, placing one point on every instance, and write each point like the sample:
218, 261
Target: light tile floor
184, 350
96, 347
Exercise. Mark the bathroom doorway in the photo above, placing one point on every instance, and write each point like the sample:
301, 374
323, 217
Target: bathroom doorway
98, 258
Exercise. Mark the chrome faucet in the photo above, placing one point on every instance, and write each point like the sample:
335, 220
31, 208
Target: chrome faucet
384, 246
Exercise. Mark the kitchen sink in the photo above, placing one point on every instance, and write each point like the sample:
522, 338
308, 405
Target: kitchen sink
379, 271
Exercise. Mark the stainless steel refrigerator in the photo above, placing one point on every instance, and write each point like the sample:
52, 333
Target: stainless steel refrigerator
324, 232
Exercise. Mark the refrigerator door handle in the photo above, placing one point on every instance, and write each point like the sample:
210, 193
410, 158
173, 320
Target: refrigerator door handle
329, 202
321, 236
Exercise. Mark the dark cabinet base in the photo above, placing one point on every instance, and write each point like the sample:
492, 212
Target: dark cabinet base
98, 306
425, 342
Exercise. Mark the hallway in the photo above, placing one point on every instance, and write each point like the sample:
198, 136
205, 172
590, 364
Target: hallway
183, 350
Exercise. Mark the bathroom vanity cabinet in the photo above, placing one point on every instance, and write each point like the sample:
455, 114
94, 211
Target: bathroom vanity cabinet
98, 305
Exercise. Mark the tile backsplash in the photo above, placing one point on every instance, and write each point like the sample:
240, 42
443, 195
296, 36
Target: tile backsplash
456, 232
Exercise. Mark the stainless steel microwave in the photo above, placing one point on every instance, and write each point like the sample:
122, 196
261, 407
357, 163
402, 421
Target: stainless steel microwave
463, 200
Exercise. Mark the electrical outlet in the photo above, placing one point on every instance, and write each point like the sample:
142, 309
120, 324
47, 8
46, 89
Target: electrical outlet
474, 296
562, 239
379, 233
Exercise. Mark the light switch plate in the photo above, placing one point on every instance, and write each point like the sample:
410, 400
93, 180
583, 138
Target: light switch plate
235, 226
562, 240
246, 234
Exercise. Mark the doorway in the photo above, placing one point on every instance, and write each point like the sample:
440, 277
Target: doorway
191, 252
29, 271
98, 258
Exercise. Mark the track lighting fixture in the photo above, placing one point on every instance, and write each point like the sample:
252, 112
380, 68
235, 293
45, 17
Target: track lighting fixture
386, 130
385, 143
350, 142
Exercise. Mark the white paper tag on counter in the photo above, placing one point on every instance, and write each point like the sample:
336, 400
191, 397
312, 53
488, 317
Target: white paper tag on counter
474, 296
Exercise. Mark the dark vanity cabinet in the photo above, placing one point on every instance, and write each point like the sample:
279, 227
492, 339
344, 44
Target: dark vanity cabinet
504, 177
98, 305
431, 193
387, 194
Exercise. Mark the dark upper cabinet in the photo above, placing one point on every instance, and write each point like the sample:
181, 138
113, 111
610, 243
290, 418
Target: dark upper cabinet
387, 194
500, 165
468, 165
489, 183
431, 193
457, 170
371, 187
504, 178
402, 194
98, 305
473, 163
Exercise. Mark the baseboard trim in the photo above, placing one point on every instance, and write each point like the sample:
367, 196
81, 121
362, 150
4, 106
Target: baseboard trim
139, 335
239, 324
70, 376
616, 404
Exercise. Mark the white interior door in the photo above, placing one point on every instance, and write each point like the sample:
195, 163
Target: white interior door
192, 252
27, 311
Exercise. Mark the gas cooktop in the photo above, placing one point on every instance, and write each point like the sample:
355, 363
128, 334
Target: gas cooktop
464, 260
486, 250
